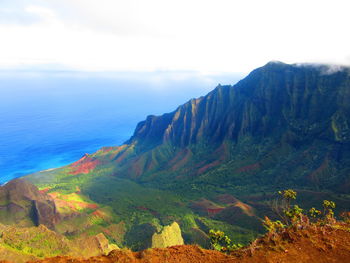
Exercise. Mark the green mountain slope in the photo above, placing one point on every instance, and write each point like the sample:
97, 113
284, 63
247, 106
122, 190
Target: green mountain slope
215, 161
281, 125
21, 244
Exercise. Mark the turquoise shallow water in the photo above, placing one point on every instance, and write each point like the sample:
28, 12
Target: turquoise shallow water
49, 120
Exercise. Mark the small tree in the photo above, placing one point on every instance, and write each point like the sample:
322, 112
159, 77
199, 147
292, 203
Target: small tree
283, 208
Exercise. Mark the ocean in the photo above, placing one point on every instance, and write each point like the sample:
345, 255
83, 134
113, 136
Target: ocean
50, 119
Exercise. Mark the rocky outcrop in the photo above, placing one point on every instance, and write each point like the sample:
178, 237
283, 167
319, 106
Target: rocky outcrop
147, 235
21, 203
101, 242
169, 236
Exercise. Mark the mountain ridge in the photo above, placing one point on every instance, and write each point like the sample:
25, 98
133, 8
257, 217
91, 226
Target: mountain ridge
290, 105
219, 95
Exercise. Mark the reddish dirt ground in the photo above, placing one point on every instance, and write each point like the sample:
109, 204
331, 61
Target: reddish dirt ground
307, 246
72, 204
84, 165
248, 168
313, 245
45, 190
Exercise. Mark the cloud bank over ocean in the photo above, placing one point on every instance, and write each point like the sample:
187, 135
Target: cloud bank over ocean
136, 35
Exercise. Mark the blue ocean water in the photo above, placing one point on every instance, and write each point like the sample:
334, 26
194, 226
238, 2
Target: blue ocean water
50, 119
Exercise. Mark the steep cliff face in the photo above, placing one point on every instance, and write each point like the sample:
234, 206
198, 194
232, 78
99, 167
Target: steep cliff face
277, 97
21, 203
279, 117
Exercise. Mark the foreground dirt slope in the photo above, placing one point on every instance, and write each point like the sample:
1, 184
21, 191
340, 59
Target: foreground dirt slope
321, 245
312, 245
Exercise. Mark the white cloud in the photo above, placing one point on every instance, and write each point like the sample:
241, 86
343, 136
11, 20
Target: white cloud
206, 35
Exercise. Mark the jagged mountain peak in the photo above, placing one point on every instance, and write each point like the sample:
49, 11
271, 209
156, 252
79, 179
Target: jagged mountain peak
222, 114
276, 105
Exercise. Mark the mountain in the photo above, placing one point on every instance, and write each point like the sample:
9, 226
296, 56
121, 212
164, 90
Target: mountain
283, 125
216, 161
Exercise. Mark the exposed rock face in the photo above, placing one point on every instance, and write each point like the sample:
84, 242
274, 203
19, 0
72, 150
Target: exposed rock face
147, 235
273, 98
103, 244
21, 203
169, 236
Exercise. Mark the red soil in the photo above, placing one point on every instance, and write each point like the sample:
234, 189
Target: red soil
178, 254
248, 168
311, 245
206, 206
44, 191
72, 204
85, 165
98, 213
180, 159
220, 153
214, 211
226, 199
110, 152
208, 166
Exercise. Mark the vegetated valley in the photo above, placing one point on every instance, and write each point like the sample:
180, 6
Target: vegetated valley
216, 162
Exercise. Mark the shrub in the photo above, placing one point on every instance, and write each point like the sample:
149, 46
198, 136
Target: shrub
288, 195
328, 212
294, 214
283, 208
314, 212
273, 226
220, 242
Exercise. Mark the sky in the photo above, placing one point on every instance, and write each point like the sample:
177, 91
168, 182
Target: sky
171, 35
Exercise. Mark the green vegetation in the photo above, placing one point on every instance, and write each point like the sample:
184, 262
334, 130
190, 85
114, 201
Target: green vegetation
314, 212
219, 241
328, 210
39, 242
294, 217
245, 142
